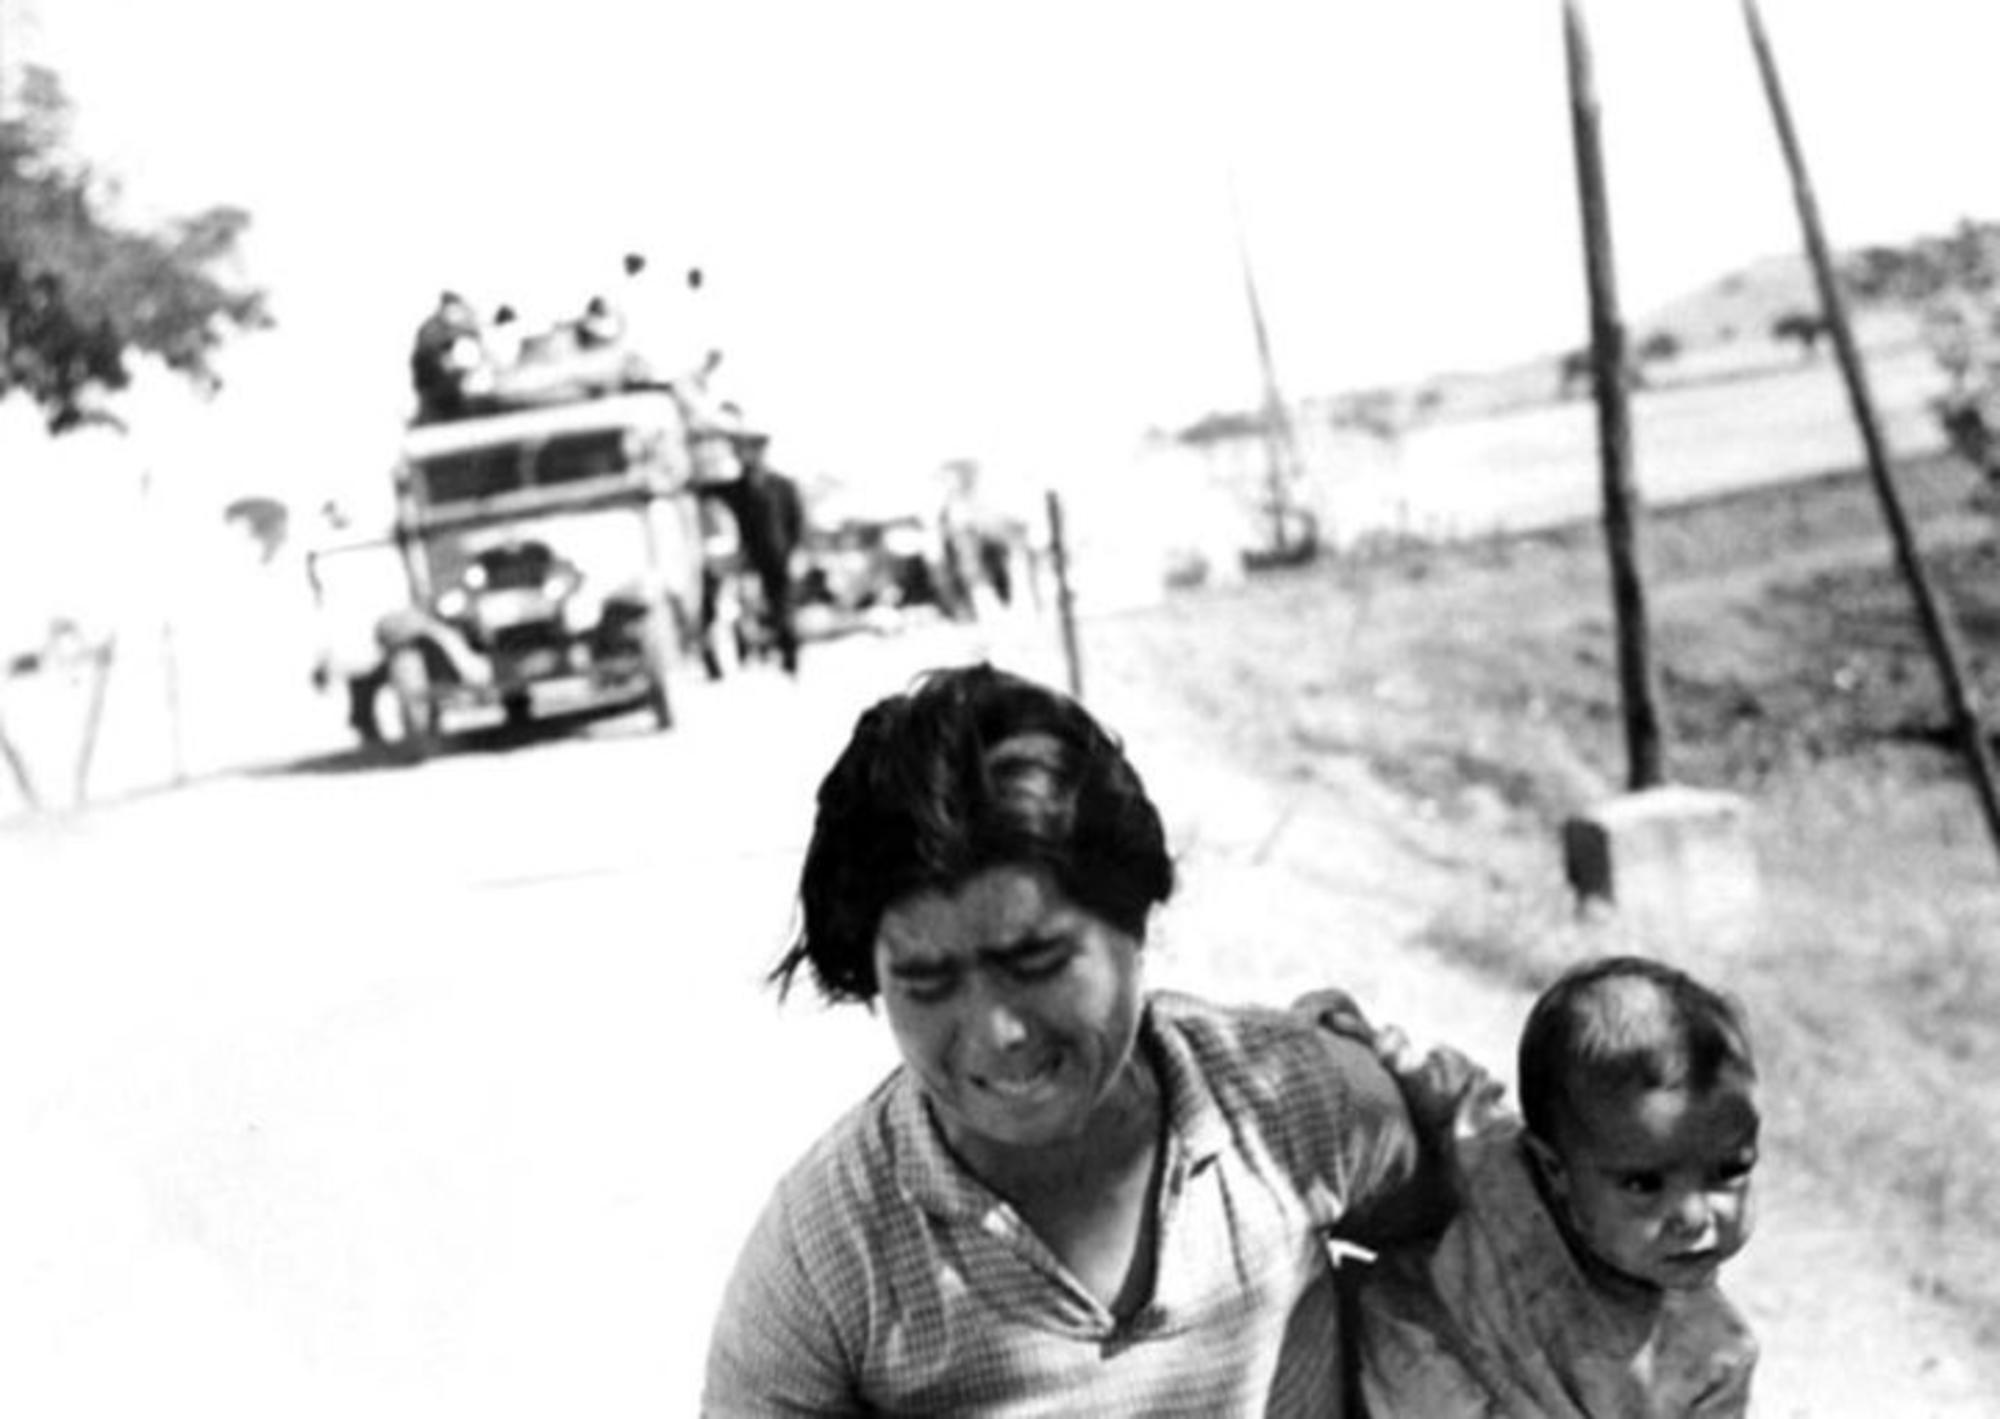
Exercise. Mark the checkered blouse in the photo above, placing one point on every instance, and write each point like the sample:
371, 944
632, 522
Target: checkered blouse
883, 1279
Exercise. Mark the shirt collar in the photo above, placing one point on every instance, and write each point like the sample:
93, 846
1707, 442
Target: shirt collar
930, 1177
1194, 1119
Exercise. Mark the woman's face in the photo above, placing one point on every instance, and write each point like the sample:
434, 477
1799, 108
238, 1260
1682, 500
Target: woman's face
1014, 1007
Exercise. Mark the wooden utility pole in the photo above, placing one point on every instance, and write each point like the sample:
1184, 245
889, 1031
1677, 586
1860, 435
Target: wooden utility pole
1637, 682
1281, 451
1931, 610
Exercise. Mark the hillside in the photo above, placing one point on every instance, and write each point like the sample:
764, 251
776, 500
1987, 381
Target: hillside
1741, 304
1723, 329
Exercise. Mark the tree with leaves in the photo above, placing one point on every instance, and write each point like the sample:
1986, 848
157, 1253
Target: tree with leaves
1804, 328
81, 293
1955, 281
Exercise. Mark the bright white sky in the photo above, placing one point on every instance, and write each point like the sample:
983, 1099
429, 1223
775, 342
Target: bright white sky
941, 228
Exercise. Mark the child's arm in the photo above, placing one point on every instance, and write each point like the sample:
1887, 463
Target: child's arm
1729, 1396
1447, 1093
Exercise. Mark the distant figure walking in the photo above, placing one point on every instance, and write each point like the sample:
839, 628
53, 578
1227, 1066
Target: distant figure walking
979, 543
770, 527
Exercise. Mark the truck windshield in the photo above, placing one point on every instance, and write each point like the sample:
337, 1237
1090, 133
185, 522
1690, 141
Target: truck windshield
469, 477
480, 474
576, 458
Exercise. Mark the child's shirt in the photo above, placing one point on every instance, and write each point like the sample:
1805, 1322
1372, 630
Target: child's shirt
1498, 1318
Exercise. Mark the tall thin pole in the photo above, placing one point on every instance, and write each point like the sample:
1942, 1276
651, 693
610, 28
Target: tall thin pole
170, 668
102, 659
1281, 460
1065, 599
1937, 622
1637, 682
18, 768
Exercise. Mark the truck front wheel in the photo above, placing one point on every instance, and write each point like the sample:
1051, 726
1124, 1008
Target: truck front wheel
365, 693
659, 698
410, 683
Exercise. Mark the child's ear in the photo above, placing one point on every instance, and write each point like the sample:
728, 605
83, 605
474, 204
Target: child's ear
1549, 1164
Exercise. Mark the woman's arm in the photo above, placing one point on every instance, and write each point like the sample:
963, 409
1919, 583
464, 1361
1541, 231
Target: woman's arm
1443, 1095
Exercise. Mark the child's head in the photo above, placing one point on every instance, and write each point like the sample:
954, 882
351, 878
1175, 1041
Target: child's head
1639, 1093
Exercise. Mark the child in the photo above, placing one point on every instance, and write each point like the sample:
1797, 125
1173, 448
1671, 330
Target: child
1579, 1278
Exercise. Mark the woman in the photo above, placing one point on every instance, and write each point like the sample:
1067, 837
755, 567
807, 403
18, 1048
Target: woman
1075, 1195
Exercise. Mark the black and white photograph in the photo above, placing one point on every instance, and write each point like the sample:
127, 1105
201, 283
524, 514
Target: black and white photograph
837, 707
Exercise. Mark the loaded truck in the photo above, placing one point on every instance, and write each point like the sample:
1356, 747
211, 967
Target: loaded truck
547, 561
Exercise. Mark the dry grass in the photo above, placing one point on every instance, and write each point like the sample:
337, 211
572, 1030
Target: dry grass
1476, 682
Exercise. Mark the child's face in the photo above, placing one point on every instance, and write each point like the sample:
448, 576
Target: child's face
1657, 1181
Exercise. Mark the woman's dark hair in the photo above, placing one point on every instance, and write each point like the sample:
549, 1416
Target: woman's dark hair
1622, 1022
971, 768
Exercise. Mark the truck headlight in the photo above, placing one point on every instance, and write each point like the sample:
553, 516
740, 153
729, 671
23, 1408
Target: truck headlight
581, 614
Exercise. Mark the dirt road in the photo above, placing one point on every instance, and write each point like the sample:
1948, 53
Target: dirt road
451, 1090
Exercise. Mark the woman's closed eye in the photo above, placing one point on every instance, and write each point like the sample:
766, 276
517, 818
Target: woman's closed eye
1044, 961
924, 985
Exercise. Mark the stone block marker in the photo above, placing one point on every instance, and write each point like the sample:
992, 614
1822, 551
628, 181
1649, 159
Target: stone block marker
1669, 861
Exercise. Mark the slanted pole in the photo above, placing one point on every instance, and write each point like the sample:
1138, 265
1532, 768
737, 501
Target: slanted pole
1065, 597
18, 768
1931, 610
1281, 469
1637, 682
102, 659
